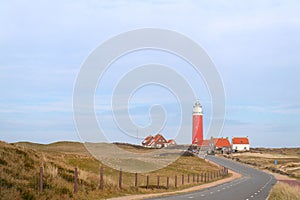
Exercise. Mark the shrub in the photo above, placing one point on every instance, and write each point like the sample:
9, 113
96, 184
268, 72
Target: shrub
27, 195
3, 162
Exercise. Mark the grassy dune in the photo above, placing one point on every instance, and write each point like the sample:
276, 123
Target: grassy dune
20, 163
283, 191
288, 160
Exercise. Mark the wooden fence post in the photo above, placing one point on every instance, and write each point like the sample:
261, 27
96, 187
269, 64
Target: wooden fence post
147, 186
120, 179
136, 181
201, 177
0, 181
182, 179
204, 177
157, 182
75, 179
175, 181
41, 179
197, 178
193, 178
101, 186
167, 183
188, 178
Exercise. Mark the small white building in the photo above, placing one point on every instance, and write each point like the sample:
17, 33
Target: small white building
240, 144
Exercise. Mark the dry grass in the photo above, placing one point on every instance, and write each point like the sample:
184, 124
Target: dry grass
20, 163
288, 160
283, 191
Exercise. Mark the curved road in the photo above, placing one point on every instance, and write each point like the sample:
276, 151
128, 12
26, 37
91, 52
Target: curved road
254, 184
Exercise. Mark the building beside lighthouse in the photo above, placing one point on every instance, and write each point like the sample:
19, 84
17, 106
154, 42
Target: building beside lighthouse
197, 129
240, 144
213, 145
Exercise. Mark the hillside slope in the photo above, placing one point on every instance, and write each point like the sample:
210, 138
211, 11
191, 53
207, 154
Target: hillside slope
20, 164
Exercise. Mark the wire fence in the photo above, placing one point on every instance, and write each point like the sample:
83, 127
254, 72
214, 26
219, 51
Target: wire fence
145, 181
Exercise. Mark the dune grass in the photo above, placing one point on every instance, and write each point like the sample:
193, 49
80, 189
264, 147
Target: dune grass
20, 163
288, 160
283, 191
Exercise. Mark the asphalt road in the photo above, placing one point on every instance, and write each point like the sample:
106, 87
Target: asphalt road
253, 185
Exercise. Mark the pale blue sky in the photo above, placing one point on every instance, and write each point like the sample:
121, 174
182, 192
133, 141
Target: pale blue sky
254, 45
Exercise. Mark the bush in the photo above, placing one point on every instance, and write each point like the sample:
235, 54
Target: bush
64, 191
27, 195
3, 162
188, 153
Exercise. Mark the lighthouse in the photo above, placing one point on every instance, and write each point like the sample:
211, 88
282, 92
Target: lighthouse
197, 135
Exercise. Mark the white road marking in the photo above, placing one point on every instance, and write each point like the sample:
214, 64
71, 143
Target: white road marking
218, 190
191, 197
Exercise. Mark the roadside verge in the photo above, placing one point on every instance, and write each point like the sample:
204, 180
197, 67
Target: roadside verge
191, 189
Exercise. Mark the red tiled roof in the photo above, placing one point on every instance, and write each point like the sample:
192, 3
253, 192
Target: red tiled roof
157, 136
240, 140
148, 138
151, 142
221, 142
156, 140
171, 141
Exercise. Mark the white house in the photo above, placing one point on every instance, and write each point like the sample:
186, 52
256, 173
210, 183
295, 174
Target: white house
240, 144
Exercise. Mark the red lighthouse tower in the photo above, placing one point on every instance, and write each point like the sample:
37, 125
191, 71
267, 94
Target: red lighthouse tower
197, 137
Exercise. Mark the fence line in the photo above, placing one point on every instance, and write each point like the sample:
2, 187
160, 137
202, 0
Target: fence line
199, 177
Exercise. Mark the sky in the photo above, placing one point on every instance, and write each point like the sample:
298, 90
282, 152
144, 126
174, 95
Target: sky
253, 44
